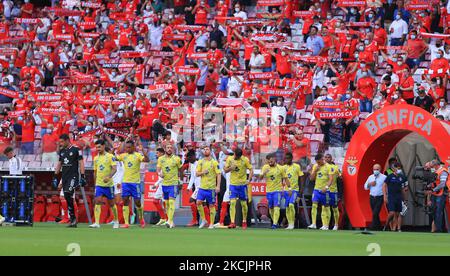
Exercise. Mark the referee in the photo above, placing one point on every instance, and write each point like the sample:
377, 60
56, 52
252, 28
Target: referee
70, 165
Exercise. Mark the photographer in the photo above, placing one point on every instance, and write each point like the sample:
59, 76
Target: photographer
438, 195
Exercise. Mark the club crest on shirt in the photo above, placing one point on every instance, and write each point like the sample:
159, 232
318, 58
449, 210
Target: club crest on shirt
351, 169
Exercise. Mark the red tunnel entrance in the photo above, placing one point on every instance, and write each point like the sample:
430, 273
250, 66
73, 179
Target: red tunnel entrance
373, 143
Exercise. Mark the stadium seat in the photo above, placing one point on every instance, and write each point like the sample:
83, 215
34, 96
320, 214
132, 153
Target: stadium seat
53, 209
318, 137
82, 213
315, 146
39, 208
309, 129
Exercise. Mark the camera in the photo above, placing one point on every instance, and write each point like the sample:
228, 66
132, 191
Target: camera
425, 175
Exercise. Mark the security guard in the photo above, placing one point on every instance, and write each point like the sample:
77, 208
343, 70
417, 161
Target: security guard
439, 194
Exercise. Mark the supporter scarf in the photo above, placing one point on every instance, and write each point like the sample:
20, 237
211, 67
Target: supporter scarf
197, 55
174, 37
229, 101
134, 54
15, 40
89, 134
100, 56
118, 16
252, 23
64, 37
290, 83
90, 35
397, 48
116, 132
303, 14
279, 45
52, 111
162, 54
193, 98
262, 75
268, 37
224, 18
358, 24
185, 28
15, 114
76, 81
415, 5
48, 97
267, 3
309, 59
86, 102
9, 93
8, 51
87, 25
27, 20
278, 92
156, 89
336, 114
189, 71
65, 12
119, 125
324, 104
352, 3
439, 36
90, 5
112, 99
51, 43
56, 104
170, 105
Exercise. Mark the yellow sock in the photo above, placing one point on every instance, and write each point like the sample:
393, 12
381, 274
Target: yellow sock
212, 214
201, 211
244, 210
276, 215
126, 214
233, 210
171, 210
271, 212
1, 217
336, 216
140, 212
291, 214
314, 213
115, 213
97, 213
326, 216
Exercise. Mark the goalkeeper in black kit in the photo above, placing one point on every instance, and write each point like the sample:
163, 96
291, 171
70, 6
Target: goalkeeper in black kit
71, 167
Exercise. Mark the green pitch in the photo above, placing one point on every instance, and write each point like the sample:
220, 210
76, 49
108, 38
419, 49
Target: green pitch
52, 239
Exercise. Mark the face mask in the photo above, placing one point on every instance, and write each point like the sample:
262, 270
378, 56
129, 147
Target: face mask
338, 24
399, 63
399, 171
279, 103
376, 172
352, 11
395, 97
88, 128
90, 119
89, 45
141, 45
442, 104
377, 26
283, 54
329, 17
364, 74
333, 82
120, 115
433, 170
21, 96
20, 118
398, 17
348, 96
153, 104
163, 26
28, 64
49, 131
108, 111
113, 74
366, 42
413, 36
356, 56
370, 16
361, 48
148, 8
125, 26
5, 83
363, 65
439, 56
237, 10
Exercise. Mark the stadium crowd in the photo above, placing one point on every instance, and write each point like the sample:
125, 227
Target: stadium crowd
304, 73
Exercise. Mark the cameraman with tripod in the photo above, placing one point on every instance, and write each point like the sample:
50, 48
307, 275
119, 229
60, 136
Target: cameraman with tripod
438, 194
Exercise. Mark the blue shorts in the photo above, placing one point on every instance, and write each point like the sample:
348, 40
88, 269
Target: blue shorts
169, 192
208, 196
333, 199
290, 199
131, 189
321, 198
274, 199
394, 204
107, 192
238, 191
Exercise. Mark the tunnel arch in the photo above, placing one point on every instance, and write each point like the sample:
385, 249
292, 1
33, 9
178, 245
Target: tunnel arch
373, 143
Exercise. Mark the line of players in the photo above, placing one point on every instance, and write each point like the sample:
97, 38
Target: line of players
119, 176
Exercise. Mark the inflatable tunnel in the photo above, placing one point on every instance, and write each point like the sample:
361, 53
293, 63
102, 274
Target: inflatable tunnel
374, 142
